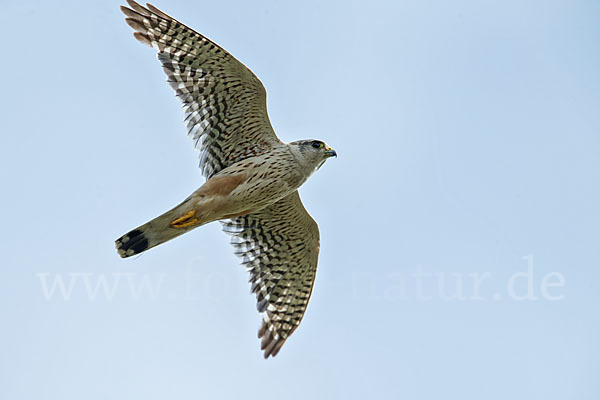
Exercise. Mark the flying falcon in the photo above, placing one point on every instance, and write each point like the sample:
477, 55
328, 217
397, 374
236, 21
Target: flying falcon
252, 176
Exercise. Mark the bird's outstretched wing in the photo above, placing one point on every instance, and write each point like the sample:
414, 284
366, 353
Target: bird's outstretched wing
279, 246
225, 104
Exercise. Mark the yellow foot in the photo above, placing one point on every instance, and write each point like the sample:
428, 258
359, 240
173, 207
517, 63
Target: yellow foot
185, 221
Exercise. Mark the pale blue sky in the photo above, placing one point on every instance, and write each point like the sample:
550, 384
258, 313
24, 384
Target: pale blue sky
468, 135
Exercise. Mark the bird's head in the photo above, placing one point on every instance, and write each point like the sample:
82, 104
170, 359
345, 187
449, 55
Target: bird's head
312, 153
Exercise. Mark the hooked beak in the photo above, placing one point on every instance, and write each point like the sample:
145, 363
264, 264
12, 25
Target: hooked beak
331, 153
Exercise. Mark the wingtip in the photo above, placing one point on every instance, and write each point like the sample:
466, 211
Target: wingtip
270, 344
142, 38
157, 11
138, 8
133, 4
129, 12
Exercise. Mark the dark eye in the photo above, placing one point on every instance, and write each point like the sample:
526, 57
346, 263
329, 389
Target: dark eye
316, 145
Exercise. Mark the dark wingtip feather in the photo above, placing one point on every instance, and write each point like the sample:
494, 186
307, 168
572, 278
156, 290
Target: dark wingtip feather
135, 24
129, 12
157, 11
135, 20
269, 344
139, 8
142, 38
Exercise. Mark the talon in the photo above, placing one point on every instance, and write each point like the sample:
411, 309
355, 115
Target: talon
185, 221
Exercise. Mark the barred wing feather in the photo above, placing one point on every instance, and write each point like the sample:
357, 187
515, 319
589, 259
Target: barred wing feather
279, 246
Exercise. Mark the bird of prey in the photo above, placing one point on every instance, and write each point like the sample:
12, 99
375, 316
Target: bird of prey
252, 177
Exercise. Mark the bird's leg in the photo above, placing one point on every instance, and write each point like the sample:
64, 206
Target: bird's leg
185, 221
